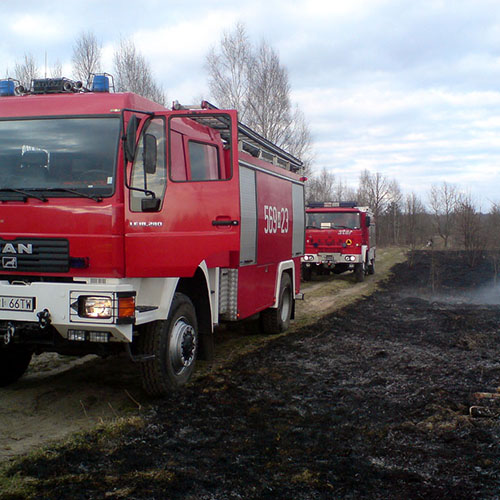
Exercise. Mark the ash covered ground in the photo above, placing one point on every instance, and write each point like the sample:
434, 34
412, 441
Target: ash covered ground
371, 402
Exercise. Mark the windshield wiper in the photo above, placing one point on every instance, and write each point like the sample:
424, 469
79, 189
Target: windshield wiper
73, 191
24, 193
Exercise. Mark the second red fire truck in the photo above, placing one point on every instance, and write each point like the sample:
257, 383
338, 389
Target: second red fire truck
124, 225
340, 236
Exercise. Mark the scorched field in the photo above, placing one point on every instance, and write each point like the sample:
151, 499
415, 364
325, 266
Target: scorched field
394, 396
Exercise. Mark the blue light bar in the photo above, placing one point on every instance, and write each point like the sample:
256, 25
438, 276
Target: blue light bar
332, 204
100, 83
7, 88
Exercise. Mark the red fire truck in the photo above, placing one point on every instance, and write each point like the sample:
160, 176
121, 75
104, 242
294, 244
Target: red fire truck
124, 225
340, 236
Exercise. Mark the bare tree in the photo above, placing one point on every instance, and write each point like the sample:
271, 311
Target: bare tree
493, 239
469, 227
374, 191
26, 70
393, 212
56, 70
414, 222
321, 187
228, 68
299, 142
253, 81
342, 192
443, 201
268, 99
86, 56
133, 73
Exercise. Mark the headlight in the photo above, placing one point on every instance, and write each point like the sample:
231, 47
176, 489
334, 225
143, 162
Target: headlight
95, 307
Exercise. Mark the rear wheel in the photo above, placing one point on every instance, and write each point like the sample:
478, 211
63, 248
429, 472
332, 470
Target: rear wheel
14, 361
174, 345
277, 320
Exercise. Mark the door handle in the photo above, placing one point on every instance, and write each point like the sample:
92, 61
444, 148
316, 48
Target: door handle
225, 223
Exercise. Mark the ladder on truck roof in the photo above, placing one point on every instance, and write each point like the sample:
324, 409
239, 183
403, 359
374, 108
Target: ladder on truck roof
248, 140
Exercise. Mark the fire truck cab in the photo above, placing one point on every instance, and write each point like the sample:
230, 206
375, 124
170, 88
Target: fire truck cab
340, 236
125, 225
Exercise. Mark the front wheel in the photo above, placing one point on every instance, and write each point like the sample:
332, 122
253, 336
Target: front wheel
277, 320
306, 273
371, 267
14, 361
173, 346
359, 272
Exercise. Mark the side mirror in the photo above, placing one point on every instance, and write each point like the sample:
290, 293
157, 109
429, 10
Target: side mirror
150, 204
130, 138
368, 221
149, 153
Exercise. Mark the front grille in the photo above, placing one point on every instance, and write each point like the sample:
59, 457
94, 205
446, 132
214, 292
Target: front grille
34, 255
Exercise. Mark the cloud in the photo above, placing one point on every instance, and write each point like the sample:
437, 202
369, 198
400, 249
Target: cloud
37, 26
409, 89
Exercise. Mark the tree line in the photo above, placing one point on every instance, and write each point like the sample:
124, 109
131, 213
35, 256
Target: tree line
448, 218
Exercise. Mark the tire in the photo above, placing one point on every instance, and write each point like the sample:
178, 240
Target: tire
277, 320
306, 273
14, 361
359, 272
371, 267
174, 345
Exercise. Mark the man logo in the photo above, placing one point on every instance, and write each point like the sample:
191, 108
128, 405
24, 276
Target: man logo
9, 262
17, 248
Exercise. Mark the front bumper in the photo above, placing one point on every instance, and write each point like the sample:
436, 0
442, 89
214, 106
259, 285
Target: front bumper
331, 258
56, 304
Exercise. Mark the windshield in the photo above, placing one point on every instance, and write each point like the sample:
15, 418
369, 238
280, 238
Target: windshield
72, 154
332, 220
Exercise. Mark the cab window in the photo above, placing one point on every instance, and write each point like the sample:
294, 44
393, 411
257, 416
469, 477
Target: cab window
204, 161
200, 147
153, 179
178, 167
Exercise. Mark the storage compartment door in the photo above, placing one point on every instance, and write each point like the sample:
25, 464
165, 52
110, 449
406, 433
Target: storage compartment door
298, 240
248, 230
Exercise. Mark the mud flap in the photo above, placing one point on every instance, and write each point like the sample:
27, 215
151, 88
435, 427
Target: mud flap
207, 346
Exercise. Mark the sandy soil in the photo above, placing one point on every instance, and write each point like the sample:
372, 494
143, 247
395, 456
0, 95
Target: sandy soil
58, 396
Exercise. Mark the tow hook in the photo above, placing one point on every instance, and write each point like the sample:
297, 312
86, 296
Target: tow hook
7, 336
44, 318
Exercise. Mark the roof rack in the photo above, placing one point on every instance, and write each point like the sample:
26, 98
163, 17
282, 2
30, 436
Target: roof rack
248, 140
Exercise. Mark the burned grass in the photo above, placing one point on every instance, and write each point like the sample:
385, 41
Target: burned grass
372, 401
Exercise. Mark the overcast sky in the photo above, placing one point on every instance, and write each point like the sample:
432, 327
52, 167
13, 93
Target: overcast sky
407, 88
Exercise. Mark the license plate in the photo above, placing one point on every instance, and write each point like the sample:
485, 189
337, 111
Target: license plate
8, 303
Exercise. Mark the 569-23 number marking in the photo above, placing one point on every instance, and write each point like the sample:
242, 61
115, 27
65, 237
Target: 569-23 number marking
276, 220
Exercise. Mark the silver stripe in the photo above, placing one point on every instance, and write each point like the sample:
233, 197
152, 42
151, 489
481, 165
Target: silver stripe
243, 163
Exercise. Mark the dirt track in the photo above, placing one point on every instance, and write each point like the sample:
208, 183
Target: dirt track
372, 401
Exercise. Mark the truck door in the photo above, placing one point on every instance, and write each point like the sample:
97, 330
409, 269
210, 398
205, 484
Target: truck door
195, 216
